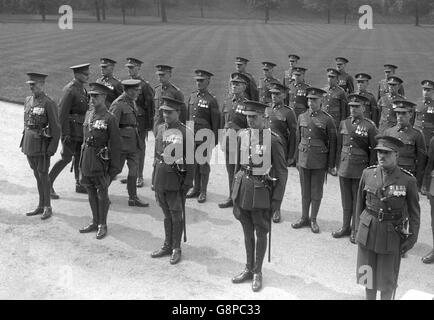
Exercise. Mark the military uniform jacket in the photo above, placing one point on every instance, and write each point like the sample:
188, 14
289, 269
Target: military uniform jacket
412, 156
258, 155
40, 114
125, 111
383, 89
424, 119
264, 89
204, 110
297, 97
252, 92
429, 168
287, 78
387, 115
355, 150
316, 140
115, 86
72, 109
336, 104
168, 90
170, 153
283, 122
101, 138
371, 108
394, 193
346, 82
232, 116
145, 106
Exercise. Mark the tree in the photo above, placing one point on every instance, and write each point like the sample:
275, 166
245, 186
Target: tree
98, 17
163, 11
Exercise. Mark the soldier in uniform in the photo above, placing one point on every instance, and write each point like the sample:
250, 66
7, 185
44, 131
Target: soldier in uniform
383, 87
124, 108
168, 89
335, 101
251, 91
355, 152
385, 104
145, 112
288, 75
100, 157
371, 109
316, 142
385, 193
72, 110
203, 110
173, 176
266, 82
345, 81
40, 139
296, 97
282, 121
107, 67
232, 120
429, 187
260, 160
424, 119
412, 156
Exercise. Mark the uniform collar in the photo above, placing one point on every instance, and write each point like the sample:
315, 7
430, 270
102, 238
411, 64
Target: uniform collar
356, 120
173, 125
39, 96
386, 178
77, 83
403, 128
202, 93
314, 113
166, 85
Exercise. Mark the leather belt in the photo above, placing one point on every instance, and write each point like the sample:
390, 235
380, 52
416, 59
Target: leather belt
384, 216
121, 125
33, 127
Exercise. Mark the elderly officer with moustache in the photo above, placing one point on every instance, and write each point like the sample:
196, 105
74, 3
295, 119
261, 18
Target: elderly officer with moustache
203, 110
412, 156
316, 143
282, 121
100, 157
355, 152
72, 110
232, 120
386, 193
296, 97
345, 81
266, 82
385, 104
173, 176
107, 66
371, 109
259, 186
40, 139
383, 87
124, 108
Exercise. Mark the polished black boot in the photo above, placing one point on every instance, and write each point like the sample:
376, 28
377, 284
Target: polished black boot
102, 231
429, 258
93, 202
192, 193
245, 275
53, 194
177, 229
38, 210
304, 221
226, 204
204, 178
257, 282
48, 212
346, 229
134, 201
176, 256
314, 213
276, 216
166, 249
353, 237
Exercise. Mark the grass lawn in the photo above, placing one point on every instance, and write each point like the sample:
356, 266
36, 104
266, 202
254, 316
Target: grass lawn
44, 47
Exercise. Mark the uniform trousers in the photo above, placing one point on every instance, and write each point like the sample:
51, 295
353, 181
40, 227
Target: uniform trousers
349, 189
40, 165
69, 149
312, 182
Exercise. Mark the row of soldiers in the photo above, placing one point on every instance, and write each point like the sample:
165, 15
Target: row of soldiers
102, 141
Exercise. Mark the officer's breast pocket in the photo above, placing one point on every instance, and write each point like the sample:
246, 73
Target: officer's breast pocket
363, 230
261, 196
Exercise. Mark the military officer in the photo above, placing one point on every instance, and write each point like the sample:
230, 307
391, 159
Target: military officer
72, 110
385, 104
266, 82
260, 157
385, 193
345, 81
371, 109
383, 87
355, 152
282, 121
173, 176
296, 97
203, 110
288, 75
145, 112
232, 120
100, 157
124, 108
424, 120
335, 101
107, 68
168, 89
251, 91
316, 142
429, 187
40, 139
412, 156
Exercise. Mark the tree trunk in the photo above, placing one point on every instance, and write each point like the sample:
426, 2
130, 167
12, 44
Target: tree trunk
98, 16
157, 3
329, 4
123, 14
103, 9
416, 13
267, 11
163, 11
201, 8
345, 12
42, 9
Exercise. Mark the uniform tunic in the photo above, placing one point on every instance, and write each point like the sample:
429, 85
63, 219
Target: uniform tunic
171, 91
297, 97
335, 104
346, 82
391, 193
424, 120
114, 85
387, 114
145, 107
371, 108
265, 84
383, 89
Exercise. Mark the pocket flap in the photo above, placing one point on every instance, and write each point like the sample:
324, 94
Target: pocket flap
366, 220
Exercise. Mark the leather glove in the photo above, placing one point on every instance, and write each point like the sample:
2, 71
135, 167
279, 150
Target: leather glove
184, 190
274, 206
66, 139
406, 246
290, 162
333, 172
